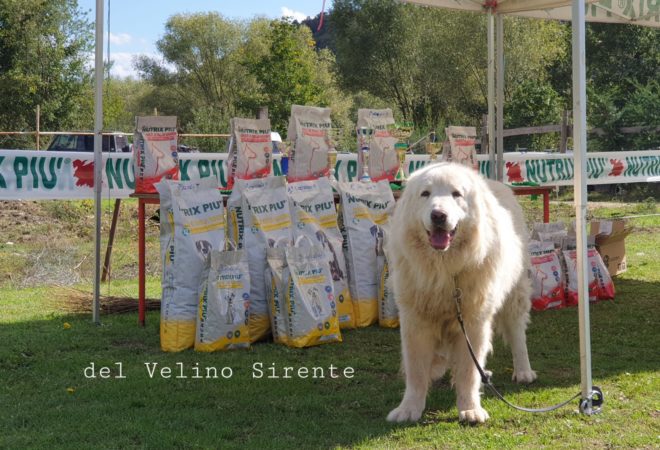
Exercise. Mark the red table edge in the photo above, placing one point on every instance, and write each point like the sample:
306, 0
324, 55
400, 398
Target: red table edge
535, 190
143, 199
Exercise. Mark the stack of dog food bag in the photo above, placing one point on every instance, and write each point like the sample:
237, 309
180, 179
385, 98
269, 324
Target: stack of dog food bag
314, 216
279, 260
554, 272
192, 227
366, 208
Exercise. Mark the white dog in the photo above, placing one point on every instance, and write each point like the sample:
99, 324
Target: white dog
453, 229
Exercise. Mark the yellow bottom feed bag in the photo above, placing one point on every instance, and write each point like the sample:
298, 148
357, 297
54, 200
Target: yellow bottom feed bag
222, 319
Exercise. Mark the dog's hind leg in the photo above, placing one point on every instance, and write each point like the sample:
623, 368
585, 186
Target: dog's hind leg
417, 343
512, 322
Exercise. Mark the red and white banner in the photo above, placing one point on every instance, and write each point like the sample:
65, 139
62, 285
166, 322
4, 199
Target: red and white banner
39, 175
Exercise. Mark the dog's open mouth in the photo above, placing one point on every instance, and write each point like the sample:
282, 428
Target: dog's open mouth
440, 239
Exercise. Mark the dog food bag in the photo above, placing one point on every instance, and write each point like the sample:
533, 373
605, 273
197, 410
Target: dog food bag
250, 150
310, 301
554, 232
315, 216
275, 287
388, 312
241, 234
366, 208
222, 319
198, 228
462, 145
601, 286
268, 203
258, 218
308, 132
383, 160
154, 151
168, 285
548, 283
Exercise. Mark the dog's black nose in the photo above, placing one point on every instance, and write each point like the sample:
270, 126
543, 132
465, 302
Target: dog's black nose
438, 217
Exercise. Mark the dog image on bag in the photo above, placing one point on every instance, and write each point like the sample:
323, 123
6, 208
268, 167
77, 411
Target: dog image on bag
454, 232
229, 303
335, 268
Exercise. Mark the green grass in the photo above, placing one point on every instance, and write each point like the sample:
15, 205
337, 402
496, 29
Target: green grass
48, 403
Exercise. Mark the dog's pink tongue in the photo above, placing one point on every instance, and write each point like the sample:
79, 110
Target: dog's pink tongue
440, 239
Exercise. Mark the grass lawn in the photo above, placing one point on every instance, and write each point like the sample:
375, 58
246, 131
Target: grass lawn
47, 402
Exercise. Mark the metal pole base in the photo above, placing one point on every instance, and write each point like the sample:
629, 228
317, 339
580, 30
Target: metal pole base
593, 403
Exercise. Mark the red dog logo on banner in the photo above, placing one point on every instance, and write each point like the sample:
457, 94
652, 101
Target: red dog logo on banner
84, 172
514, 173
617, 167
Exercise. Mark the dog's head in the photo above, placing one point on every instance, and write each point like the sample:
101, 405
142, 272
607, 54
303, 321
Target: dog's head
439, 205
204, 248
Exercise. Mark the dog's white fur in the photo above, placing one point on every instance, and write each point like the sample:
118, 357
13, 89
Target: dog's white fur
486, 259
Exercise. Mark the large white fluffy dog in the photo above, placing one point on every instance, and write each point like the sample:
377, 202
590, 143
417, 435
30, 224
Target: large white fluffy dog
451, 229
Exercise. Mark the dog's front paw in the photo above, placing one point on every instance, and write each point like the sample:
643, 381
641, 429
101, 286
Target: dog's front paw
473, 416
524, 376
405, 413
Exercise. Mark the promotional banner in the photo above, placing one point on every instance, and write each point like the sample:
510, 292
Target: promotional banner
40, 175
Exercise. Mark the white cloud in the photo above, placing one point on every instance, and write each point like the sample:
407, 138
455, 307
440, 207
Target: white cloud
122, 65
120, 39
296, 15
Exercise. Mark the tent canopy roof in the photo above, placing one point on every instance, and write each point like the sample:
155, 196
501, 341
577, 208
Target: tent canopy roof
645, 13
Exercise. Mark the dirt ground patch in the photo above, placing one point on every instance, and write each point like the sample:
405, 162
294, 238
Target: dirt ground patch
52, 242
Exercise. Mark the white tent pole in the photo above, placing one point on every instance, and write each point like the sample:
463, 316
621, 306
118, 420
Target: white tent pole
580, 193
499, 32
491, 94
98, 158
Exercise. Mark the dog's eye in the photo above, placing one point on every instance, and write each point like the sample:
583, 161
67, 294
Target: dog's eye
425, 193
456, 194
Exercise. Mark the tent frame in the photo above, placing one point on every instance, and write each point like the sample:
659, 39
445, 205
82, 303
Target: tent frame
495, 38
98, 158
495, 126
496, 122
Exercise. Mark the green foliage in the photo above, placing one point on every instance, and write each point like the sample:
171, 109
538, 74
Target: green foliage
216, 68
207, 120
201, 69
431, 63
622, 84
533, 103
43, 48
285, 72
428, 64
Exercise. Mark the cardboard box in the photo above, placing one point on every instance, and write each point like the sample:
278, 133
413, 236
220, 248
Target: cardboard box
610, 238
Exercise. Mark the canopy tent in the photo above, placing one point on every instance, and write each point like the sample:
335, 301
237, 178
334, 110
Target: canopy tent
645, 13
641, 13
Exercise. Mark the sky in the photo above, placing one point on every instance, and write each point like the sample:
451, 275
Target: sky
136, 25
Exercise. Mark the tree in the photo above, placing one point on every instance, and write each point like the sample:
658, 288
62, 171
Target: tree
286, 71
431, 63
43, 52
215, 69
201, 68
